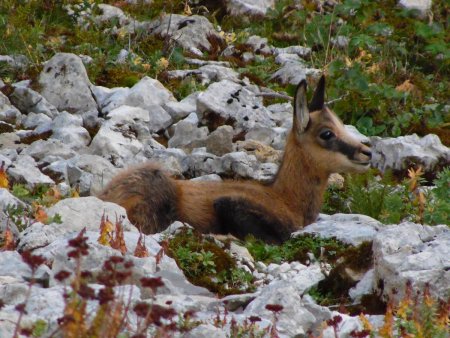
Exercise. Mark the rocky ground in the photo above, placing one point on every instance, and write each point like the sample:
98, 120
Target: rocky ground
63, 132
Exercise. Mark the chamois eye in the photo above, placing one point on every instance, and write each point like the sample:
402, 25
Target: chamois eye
327, 135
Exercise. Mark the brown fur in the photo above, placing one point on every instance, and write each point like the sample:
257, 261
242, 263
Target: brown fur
271, 212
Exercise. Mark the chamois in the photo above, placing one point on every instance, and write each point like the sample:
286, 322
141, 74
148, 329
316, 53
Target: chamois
317, 146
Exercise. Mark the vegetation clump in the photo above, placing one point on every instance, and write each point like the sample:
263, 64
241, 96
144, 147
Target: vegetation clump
206, 264
391, 201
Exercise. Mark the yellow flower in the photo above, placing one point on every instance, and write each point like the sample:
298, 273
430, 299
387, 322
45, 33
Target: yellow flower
137, 60
163, 63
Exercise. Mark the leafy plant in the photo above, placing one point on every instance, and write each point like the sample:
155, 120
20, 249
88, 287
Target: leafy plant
385, 199
206, 264
296, 249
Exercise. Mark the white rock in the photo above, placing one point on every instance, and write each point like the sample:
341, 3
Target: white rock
191, 33
259, 45
179, 110
240, 164
89, 173
145, 94
233, 104
211, 177
27, 101
398, 153
33, 120
51, 147
68, 129
112, 13
364, 286
65, 84
299, 50
8, 113
293, 319
412, 252
188, 136
7, 199
249, 7
352, 229
12, 265
356, 134
205, 331
207, 74
422, 6
76, 214
344, 328
220, 141
117, 144
24, 170
293, 73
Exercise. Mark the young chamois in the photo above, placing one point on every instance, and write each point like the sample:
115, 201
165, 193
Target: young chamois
317, 146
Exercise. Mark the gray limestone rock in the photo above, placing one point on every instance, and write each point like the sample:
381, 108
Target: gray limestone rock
9, 113
7, 200
179, 110
301, 51
19, 62
412, 252
76, 214
69, 130
33, 120
421, 6
24, 170
293, 73
259, 45
220, 141
348, 228
145, 94
188, 136
293, 320
227, 102
30, 101
189, 32
65, 84
118, 144
41, 149
402, 152
257, 8
207, 74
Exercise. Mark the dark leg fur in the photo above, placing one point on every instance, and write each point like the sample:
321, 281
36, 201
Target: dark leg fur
241, 218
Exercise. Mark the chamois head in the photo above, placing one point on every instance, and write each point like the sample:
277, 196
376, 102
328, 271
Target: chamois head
319, 131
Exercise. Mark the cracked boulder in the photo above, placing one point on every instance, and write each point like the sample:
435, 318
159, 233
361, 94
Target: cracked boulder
192, 33
402, 152
229, 103
65, 84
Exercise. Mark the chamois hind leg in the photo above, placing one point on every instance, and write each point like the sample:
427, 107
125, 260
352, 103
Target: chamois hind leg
148, 195
241, 217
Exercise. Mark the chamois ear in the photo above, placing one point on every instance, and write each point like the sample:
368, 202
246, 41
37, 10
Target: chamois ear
301, 112
318, 99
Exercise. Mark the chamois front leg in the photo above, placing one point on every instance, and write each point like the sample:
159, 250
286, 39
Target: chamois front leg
241, 217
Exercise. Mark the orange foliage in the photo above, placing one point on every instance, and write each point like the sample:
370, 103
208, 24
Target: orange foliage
106, 231
40, 214
118, 240
8, 240
141, 249
4, 182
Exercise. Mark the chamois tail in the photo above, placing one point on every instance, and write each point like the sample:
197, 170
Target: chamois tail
148, 195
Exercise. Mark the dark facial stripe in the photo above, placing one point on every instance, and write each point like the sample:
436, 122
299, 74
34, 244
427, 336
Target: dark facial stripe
342, 147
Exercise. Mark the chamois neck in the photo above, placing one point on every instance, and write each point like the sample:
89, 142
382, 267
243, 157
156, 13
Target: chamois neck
301, 182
